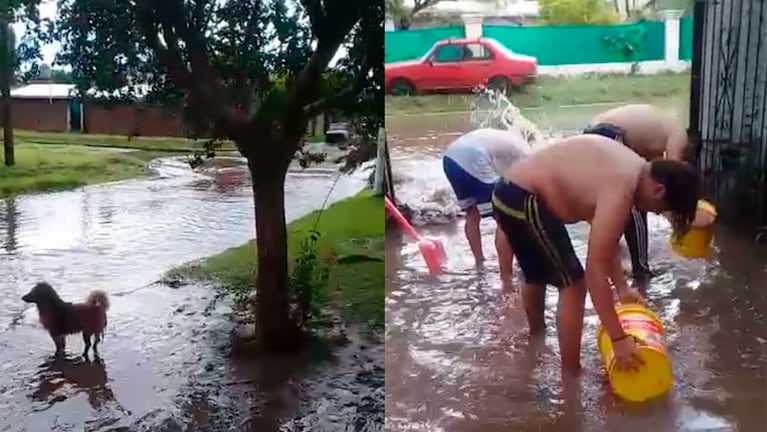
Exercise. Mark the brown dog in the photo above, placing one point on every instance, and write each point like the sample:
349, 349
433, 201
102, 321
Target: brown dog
62, 318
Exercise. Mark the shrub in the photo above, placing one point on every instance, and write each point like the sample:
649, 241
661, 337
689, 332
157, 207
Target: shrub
576, 12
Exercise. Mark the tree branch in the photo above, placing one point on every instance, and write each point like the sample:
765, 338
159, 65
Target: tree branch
306, 86
203, 87
316, 16
419, 5
316, 108
168, 54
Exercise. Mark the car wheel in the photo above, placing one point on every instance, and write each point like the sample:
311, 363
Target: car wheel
499, 83
401, 87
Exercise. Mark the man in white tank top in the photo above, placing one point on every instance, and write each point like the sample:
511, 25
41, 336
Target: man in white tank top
472, 164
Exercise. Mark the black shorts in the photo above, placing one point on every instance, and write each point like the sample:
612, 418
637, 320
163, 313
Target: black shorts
538, 239
607, 130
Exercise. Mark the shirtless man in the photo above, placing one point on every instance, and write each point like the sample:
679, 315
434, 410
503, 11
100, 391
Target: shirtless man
585, 178
652, 134
472, 164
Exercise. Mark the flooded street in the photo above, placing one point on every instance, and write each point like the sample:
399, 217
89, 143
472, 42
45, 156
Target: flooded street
457, 353
164, 357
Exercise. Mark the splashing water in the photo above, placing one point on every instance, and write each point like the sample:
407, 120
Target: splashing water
492, 109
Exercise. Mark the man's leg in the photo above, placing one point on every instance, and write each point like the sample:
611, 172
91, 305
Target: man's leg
570, 308
566, 272
464, 186
505, 256
473, 236
534, 301
636, 239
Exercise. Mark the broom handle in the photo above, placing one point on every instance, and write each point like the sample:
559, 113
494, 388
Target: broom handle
400, 218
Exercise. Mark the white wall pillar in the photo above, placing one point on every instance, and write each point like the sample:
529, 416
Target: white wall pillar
388, 24
472, 25
671, 51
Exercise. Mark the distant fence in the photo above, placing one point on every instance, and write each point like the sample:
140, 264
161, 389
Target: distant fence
567, 45
558, 45
685, 38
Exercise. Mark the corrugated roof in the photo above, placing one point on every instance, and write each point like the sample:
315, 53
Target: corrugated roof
43, 91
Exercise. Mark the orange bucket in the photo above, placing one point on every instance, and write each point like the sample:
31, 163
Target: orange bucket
697, 242
654, 378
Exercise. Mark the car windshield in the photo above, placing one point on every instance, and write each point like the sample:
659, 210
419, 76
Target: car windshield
429, 51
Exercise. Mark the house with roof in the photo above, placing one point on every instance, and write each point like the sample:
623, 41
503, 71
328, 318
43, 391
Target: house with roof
45, 106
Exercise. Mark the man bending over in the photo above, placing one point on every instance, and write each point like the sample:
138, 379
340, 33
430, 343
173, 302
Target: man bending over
472, 164
652, 134
585, 178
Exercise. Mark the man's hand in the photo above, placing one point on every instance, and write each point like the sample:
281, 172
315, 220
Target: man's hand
630, 296
703, 218
625, 352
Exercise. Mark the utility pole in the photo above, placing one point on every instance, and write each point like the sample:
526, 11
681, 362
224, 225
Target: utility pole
7, 48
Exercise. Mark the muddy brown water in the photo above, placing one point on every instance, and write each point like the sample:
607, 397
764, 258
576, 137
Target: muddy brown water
164, 361
457, 353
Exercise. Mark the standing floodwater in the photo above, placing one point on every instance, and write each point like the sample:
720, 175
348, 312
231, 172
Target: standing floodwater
457, 353
164, 354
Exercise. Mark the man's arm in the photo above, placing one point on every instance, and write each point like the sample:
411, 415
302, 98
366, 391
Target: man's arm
610, 217
676, 145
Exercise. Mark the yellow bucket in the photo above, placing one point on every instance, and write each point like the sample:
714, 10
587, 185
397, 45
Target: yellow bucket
697, 242
654, 378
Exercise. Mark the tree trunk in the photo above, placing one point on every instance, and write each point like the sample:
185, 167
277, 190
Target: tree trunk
326, 119
6, 73
275, 329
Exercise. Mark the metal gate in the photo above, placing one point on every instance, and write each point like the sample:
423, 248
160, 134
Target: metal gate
728, 105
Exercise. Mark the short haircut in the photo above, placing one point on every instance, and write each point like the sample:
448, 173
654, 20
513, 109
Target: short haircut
683, 190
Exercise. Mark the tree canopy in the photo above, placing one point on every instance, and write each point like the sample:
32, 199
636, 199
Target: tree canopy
250, 71
233, 68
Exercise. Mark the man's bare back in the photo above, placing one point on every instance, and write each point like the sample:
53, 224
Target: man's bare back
570, 175
648, 131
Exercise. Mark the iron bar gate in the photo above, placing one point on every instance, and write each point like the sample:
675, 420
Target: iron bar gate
728, 105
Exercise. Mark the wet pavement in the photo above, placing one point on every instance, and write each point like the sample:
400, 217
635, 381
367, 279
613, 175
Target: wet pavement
164, 360
457, 353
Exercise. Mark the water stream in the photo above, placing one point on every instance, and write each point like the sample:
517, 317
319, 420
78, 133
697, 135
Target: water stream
164, 358
457, 353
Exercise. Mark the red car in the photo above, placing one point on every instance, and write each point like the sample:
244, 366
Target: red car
461, 64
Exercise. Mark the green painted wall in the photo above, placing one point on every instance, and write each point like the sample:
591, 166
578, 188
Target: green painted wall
567, 45
403, 45
556, 45
685, 38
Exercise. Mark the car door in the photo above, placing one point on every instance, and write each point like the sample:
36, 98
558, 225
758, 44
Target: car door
442, 66
476, 65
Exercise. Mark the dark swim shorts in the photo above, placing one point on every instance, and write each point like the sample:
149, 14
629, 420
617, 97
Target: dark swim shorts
539, 239
607, 130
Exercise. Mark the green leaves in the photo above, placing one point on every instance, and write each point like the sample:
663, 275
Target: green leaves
576, 12
25, 56
235, 68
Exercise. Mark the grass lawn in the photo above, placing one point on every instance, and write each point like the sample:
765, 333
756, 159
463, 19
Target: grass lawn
55, 167
55, 161
553, 92
352, 243
155, 144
